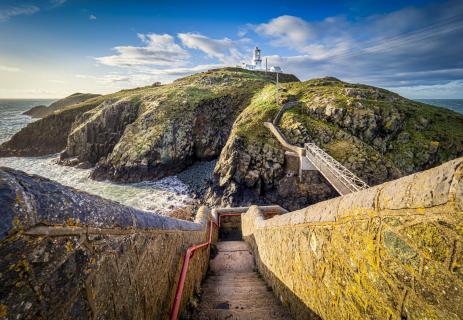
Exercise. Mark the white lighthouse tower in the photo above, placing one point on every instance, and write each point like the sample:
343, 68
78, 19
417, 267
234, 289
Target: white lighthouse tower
256, 59
257, 63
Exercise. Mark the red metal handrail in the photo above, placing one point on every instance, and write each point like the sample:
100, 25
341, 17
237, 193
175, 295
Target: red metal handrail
186, 260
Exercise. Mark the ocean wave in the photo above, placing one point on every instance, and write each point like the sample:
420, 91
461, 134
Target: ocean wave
155, 196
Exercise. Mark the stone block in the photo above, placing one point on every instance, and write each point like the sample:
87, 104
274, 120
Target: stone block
395, 194
358, 202
430, 239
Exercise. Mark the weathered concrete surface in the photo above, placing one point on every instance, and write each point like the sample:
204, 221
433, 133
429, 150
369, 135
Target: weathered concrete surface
394, 251
70, 255
233, 289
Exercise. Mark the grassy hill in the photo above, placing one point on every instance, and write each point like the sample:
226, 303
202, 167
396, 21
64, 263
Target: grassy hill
377, 134
43, 111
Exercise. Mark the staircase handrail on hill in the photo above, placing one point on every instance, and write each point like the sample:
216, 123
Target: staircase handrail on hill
341, 178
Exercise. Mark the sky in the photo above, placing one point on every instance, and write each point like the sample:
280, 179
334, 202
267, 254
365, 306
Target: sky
53, 48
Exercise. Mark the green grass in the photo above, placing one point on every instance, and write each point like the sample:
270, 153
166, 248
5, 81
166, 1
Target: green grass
443, 131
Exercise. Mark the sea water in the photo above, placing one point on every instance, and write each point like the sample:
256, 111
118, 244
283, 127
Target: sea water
452, 104
156, 196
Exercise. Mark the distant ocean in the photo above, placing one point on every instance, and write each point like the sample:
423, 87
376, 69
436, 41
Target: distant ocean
159, 196
452, 104
11, 118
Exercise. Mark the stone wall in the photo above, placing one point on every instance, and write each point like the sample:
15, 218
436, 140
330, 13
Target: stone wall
70, 255
394, 251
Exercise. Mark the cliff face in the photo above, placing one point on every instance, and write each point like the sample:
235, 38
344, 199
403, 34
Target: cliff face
43, 111
96, 132
147, 132
47, 135
376, 134
152, 132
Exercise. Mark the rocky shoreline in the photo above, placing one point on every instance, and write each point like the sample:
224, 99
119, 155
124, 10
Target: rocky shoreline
207, 129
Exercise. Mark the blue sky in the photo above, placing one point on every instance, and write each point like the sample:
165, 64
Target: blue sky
52, 48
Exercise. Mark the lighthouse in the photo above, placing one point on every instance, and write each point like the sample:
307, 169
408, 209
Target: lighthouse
257, 63
257, 60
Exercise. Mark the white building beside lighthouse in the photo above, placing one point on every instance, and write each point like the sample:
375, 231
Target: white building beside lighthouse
257, 63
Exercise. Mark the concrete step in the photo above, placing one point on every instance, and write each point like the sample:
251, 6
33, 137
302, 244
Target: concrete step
234, 276
255, 302
232, 256
254, 314
227, 292
236, 282
232, 246
233, 290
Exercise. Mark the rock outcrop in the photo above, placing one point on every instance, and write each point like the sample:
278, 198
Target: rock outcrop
43, 111
146, 133
96, 133
375, 133
47, 135
155, 131
152, 132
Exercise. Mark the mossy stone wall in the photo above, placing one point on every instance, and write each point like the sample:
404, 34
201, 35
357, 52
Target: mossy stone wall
67, 254
394, 251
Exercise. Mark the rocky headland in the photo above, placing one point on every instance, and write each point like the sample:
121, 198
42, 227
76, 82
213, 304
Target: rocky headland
43, 111
377, 134
155, 131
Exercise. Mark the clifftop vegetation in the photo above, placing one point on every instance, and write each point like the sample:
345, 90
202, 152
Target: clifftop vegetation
377, 134
155, 131
43, 111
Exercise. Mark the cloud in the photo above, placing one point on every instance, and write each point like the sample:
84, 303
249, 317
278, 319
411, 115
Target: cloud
226, 50
173, 73
57, 81
287, 31
9, 69
407, 47
57, 3
158, 49
91, 17
7, 13
436, 91
142, 76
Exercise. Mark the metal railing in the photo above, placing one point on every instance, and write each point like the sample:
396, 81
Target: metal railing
186, 262
343, 180
216, 215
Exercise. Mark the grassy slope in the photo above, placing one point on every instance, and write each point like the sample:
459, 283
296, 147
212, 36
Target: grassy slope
428, 128
49, 135
43, 111
177, 102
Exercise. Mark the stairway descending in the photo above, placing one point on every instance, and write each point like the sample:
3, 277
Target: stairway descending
233, 289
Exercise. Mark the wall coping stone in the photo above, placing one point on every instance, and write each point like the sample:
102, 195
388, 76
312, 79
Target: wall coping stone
434, 187
28, 201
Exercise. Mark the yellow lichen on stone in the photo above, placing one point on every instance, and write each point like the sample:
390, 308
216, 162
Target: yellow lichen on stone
73, 223
69, 246
3, 311
396, 262
421, 210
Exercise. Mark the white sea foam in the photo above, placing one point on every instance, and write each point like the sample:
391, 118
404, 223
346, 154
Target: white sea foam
159, 196
156, 196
